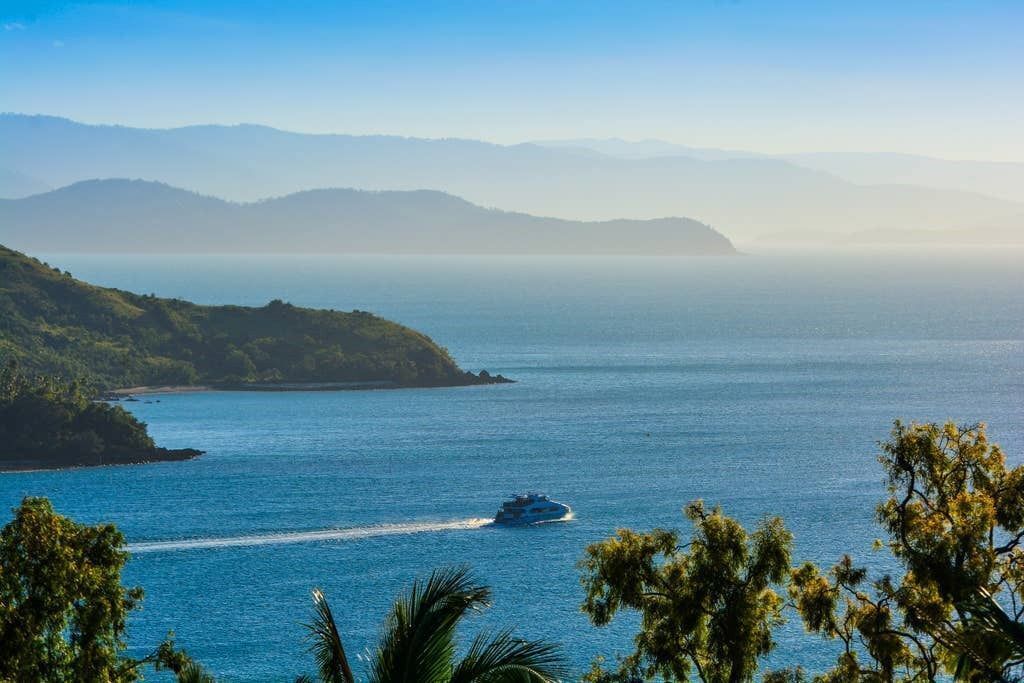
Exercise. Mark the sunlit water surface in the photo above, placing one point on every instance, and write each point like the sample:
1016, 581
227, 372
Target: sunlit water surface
761, 383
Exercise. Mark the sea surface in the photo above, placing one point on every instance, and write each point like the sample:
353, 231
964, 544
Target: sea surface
760, 383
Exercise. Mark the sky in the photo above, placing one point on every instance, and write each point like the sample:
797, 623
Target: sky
937, 77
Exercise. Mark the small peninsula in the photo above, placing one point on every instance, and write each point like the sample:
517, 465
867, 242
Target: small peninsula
47, 423
109, 339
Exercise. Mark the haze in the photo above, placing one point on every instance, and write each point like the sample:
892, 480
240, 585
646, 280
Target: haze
934, 78
769, 122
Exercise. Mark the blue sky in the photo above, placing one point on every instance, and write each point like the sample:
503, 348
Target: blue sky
944, 78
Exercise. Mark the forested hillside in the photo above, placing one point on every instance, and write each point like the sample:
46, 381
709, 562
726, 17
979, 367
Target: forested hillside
51, 322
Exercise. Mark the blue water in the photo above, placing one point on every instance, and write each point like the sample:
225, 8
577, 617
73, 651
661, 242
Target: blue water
761, 383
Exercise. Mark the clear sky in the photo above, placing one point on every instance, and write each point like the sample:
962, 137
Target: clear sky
937, 77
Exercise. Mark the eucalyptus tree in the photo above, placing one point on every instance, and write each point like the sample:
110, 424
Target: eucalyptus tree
955, 520
418, 643
707, 609
954, 517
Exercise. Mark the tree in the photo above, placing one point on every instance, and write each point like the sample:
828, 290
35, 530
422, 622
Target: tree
62, 605
45, 415
707, 608
955, 519
418, 642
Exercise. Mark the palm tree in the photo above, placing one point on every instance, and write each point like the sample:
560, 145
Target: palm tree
990, 646
418, 641
192, 672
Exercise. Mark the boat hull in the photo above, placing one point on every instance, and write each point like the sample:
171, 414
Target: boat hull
526, 520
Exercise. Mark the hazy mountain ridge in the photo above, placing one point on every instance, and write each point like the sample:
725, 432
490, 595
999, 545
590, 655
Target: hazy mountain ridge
1002, 234
643, 149
999, 179
140, 216
15, 184
744, 197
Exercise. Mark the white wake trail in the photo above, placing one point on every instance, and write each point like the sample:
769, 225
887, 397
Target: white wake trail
349, 534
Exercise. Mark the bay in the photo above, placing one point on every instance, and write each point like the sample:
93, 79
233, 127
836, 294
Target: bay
761, 383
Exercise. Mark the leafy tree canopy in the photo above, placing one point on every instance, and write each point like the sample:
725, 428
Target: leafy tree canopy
955, 523
955, 520
62, 606
707, 608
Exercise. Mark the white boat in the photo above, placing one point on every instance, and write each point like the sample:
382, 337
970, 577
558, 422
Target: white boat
529, 508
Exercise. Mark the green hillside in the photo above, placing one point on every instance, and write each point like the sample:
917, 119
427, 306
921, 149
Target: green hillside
53, 323
47, 423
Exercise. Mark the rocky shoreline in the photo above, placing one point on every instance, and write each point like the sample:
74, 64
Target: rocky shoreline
76, 460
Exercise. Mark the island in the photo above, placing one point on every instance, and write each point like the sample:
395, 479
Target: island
115, 215
110, 339
49, 423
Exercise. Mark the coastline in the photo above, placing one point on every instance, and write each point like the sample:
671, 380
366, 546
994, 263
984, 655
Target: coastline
108, 460
157, 389
126, 393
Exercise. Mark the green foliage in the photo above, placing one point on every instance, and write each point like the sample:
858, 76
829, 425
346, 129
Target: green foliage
62, 605
45, 420
955, 521
418, 642
53, 323
955, 518
193, 673
708, 608
325, 643
794, 674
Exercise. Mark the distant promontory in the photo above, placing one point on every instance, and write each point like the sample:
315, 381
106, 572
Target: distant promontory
148, 217
107, 338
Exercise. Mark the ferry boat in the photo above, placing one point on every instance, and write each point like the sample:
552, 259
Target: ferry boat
529, 508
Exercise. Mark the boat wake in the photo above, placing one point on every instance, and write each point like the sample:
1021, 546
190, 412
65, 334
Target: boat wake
349, 534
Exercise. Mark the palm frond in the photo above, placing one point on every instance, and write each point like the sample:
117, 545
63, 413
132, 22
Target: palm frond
985, 609
987, 642
325, 643
418, 642
506, 659
192, 672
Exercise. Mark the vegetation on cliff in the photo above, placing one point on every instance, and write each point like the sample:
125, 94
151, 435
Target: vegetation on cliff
48, 423
53, 323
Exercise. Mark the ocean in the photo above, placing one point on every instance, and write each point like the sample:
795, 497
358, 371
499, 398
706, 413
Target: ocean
761, 383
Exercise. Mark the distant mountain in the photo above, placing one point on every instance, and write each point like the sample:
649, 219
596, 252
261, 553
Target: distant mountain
139, 216
1004, 180
14, 184
53, 323
744, 197
645, 149
1008, 232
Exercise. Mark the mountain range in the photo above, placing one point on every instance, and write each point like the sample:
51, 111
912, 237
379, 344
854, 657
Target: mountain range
742, 196
1004, 180
145, 216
